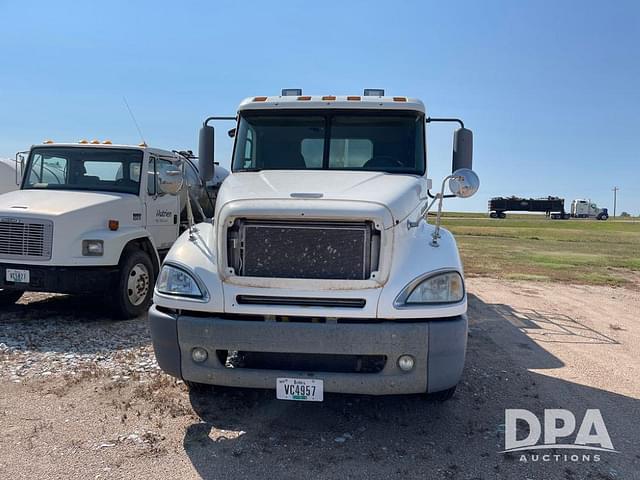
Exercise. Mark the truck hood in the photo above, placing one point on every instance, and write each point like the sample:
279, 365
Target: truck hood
53, 203
400, 194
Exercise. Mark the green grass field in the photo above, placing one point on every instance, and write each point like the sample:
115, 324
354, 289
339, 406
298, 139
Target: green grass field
532, 247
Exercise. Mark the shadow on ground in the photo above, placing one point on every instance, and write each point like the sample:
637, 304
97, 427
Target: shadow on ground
249, 434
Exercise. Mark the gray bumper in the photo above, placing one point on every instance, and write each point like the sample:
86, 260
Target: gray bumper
438, 347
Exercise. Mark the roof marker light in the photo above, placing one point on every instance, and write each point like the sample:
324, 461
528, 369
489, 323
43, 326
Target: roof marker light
291, 92
353, 97
95, 142
305, 98
107, 142
47, 142
84, 141
329, 97
259, 99
374, 92
142, 144
399, 99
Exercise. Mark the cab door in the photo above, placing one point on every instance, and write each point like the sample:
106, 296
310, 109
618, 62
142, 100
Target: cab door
161, 210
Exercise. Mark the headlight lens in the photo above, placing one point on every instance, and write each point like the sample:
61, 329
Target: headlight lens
175, 281
442, 288
92, 248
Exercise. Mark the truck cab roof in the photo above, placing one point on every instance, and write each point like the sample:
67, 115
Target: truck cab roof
353, 102
142, 147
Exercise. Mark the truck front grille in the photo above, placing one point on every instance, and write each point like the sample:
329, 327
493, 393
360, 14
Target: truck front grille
292, 249
24, 238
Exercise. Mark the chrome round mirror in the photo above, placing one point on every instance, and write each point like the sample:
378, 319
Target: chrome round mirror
464, 183
170, 181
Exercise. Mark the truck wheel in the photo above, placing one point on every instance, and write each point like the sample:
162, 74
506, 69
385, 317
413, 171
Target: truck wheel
493, 215
7, 297
134, 292
196, 387
443, 395
502, 215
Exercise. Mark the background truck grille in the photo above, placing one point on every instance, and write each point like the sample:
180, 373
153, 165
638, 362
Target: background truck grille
291, 249
22, 238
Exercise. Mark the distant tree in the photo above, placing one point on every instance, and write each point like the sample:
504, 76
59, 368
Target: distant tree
625, 214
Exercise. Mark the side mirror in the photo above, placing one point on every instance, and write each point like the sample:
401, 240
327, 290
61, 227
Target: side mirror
205, 153
464, 183
462, 149
170, 181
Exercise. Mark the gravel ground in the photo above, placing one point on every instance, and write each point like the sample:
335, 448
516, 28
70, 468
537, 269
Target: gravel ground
82, 397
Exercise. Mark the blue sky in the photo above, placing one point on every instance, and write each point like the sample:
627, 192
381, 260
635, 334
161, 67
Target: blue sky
551, 89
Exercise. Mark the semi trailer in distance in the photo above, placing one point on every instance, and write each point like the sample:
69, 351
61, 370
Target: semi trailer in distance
96, 218
552, 207
319, 272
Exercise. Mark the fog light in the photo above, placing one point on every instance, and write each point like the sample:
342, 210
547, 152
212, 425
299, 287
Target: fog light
199, 354
405, 362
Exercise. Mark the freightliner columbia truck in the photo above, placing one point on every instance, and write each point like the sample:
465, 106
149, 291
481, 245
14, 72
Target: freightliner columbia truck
96, 218
320, 272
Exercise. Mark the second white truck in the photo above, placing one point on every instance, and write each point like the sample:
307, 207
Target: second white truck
96, 218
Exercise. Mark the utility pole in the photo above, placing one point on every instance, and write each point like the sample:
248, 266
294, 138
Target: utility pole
615, 198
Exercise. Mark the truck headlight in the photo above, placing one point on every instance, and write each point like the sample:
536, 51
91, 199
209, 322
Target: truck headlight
92, 248
178, 282
446, 287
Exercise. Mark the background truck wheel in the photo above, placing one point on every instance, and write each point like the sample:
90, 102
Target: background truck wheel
493, 215
502, 215
134, 291
7, 297
441, 396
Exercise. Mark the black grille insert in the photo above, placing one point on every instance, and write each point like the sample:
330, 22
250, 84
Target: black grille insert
302, 362
293, 249
301, 301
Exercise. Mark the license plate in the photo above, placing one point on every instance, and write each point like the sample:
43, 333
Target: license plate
300, 389
17, 276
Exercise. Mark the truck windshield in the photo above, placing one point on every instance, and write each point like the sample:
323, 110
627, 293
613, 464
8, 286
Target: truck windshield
377, 141
78, 168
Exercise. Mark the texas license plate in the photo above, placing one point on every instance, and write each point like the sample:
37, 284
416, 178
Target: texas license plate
301, 389
17, 276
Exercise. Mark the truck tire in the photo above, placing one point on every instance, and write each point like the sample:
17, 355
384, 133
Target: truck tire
603, 216
134, 291
8, 297
502, 215
493, 215
442, 396
197, 388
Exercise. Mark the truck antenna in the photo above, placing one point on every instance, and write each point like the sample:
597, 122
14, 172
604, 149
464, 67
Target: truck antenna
124, 99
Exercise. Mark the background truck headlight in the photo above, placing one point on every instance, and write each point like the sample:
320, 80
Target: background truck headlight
178, 282
446, 287
92, 248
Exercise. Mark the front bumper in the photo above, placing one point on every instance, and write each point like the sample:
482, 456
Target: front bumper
57, 279
438, 347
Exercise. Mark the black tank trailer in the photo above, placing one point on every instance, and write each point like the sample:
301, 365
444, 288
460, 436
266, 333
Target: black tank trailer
552, 206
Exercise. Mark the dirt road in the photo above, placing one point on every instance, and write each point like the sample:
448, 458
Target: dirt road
80, 397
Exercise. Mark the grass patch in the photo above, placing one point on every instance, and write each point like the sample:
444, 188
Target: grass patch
532, 247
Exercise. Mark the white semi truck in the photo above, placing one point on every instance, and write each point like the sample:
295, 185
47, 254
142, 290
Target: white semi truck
94, 218
581, 208
320, 272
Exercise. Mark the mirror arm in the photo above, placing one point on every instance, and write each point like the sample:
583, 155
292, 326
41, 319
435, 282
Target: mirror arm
208, 119
431, 195
436, 233
442, 119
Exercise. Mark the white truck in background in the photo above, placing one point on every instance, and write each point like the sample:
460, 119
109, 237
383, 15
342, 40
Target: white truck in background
320, 272
95, 218
581, 208
9, 176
